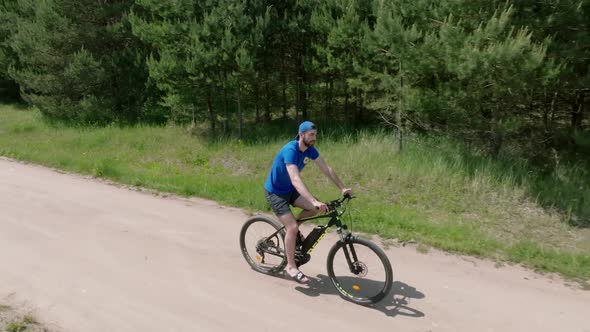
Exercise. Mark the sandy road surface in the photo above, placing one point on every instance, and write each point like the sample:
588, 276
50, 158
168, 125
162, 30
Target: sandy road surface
88, 256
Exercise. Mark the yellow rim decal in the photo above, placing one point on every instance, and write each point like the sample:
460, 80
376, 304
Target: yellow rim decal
343, 291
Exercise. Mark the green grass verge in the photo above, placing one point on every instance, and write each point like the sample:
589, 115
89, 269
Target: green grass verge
21, 325
12, 320
433, 193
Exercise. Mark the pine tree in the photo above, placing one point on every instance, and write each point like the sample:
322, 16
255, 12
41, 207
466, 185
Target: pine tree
78, 61
564, 103
203, 55
10, 11
454, 78
339, 51
395, 67
180, 63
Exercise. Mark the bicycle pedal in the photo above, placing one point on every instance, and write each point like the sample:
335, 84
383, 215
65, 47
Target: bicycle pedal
301, 259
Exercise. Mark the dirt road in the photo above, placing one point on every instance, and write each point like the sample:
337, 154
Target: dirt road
88, 256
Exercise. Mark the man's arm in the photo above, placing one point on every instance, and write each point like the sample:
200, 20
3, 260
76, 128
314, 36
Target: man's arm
329, 172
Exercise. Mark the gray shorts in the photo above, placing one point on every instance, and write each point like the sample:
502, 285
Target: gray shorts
280, 203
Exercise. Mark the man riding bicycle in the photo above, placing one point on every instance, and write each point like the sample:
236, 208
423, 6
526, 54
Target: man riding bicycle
284, 187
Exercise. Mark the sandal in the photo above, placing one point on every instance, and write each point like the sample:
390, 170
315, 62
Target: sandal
299, 277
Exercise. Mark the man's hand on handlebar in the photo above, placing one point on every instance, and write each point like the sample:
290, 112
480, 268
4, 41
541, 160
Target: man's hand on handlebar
320, 206
347, 192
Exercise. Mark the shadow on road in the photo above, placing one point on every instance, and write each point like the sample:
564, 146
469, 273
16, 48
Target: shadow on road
395, 303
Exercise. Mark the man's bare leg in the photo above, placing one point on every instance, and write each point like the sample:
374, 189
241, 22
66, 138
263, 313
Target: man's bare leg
292, 228
308, 209
307, 214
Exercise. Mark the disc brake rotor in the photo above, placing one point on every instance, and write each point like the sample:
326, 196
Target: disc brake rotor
360, 268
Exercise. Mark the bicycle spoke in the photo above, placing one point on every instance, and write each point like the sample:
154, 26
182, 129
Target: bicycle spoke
262, 245
359, 272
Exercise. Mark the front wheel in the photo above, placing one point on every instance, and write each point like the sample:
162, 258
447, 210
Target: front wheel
360, 270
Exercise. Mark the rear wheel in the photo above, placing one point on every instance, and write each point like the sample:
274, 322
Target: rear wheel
360, 270
262, 242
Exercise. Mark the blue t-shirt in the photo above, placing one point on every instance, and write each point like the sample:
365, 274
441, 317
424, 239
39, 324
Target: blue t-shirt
278, 181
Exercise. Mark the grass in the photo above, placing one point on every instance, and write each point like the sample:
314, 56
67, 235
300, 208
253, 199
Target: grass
21, 325
434, 193
12, 320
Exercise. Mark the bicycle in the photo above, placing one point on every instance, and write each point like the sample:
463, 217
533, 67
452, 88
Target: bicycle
264, 250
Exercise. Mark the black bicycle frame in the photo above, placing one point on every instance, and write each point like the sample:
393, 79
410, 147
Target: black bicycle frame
334, 221
334, 216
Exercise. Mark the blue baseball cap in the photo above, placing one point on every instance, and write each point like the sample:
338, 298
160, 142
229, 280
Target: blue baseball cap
305, 126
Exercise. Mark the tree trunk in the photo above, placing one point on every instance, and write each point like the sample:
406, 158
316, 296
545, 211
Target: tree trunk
577, 117
398, 131
398, 112
256, 105
301, 93
549, 114
211, 113
545, 112
240, 117
225, 106
298, 100
267, 116
358, 106
284, 83
496, 144
346, 111
577, 111
328, 112
307, 100
497, 137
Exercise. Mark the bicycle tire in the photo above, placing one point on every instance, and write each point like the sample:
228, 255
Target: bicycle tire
260, 249
348, 285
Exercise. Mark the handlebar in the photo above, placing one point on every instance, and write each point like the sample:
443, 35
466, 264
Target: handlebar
332, 208
333, 205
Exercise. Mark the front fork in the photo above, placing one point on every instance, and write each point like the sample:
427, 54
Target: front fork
349, 252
